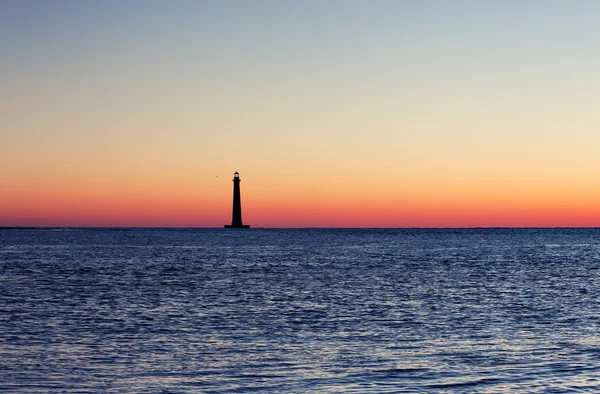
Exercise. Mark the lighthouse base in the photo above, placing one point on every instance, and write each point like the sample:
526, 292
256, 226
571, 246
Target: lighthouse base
237, 226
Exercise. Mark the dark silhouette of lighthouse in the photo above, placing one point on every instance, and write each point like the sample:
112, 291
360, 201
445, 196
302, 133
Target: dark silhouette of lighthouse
236, 216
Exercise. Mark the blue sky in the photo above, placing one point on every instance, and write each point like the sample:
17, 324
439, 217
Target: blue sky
502, 94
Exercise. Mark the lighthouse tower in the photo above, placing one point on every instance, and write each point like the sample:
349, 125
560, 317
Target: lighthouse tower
236, 216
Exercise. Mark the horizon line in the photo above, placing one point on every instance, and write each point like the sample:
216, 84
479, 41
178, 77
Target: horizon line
296, 228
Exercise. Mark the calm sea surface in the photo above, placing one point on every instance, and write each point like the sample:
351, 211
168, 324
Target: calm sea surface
215, 310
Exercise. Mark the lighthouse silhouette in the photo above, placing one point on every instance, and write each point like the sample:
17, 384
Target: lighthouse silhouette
236, 216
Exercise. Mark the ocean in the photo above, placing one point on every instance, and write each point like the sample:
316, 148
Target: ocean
299, 310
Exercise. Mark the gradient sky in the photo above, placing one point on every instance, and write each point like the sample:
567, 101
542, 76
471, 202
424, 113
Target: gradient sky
336, 113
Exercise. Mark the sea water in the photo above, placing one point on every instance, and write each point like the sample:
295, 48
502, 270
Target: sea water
299, 310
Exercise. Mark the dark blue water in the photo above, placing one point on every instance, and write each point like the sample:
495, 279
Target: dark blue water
214, 310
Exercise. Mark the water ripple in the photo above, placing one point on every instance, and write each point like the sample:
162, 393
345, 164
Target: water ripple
385, 311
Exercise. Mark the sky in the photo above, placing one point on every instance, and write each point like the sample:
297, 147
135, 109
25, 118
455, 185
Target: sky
340, 113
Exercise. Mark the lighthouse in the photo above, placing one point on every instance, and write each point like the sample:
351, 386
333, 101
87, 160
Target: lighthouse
236, 216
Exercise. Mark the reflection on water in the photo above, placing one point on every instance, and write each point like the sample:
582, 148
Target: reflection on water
299, 310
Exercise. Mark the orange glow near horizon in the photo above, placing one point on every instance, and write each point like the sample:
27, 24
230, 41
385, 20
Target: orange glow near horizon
339, 204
